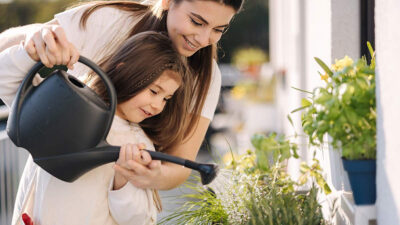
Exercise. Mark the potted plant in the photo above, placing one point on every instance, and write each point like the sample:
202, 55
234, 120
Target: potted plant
345, 109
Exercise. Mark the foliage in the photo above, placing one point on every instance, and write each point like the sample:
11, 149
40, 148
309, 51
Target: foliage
255, 90
244, 57
200, 207
272, 149
286, 208
17, 13
254, 189
345, 108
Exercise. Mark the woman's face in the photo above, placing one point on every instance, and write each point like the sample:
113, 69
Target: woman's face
151, 100
193, 25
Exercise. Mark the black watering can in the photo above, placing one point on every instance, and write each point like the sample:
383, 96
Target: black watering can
64, 124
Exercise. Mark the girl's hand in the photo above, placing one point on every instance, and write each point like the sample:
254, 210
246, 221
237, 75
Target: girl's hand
129, 153
141, 170
50, 45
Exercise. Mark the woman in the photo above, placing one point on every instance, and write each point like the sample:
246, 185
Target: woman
96, 29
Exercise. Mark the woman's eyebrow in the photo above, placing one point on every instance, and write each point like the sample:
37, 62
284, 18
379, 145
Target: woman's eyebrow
204, 20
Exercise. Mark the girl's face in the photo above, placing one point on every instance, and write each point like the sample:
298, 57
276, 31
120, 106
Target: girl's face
193, 25
151, 100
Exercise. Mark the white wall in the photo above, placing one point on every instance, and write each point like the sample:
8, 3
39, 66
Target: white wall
387, 36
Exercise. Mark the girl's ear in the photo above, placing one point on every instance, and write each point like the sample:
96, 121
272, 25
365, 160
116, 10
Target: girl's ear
166, 4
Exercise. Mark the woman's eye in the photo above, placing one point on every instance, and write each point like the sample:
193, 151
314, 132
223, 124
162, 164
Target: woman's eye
153, 91
195, 23
220, 30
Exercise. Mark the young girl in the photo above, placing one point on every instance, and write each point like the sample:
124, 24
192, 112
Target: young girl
94, 29
153, 83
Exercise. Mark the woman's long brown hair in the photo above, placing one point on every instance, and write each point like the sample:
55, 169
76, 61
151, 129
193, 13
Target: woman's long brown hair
153, 18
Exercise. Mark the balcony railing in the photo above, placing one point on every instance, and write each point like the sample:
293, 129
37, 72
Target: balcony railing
12, 162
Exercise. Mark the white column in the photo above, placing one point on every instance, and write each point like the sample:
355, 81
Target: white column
387, 37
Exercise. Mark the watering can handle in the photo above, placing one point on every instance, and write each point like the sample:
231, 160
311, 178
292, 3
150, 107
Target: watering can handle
27, 83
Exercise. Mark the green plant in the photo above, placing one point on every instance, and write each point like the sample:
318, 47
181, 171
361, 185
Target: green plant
254, 188
201, 207
271, 149
286, 208
345, 108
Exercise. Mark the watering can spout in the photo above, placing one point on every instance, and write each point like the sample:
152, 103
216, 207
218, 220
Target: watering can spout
76, 164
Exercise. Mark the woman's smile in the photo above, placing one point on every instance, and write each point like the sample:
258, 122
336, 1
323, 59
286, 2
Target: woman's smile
189, 45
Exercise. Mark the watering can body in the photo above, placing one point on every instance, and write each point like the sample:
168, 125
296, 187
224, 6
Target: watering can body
59, 116
62, 122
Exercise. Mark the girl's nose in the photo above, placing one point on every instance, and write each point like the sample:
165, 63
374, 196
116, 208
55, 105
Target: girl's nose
158, 105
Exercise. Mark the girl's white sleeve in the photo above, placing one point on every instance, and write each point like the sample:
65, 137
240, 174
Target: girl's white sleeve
131, 205
210, 104
14, 65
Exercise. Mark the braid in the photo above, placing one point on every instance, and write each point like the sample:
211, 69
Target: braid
171, 65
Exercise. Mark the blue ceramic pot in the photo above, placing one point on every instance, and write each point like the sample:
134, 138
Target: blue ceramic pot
362, 176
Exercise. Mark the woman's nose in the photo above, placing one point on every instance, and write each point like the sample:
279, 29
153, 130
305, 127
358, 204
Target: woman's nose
204, 37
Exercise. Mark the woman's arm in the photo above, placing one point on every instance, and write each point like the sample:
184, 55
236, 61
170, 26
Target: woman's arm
45, 42
14, 65
15, 35
187, 150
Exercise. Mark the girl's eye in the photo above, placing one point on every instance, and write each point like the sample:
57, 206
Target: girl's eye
153, 91
195, 23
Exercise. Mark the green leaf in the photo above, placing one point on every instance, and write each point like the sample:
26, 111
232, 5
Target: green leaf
301, 90
324, 66
305, 102
371, 51
290, 120
299, 109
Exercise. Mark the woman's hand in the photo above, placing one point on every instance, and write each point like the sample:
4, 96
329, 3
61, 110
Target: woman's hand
49, 44
136, 166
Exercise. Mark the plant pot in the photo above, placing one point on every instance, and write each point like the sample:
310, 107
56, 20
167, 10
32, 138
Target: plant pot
362, 176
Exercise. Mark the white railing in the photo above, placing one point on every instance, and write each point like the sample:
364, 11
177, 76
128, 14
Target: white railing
12, 161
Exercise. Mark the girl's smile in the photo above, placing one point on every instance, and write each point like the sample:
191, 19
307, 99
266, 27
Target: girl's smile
146, 113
